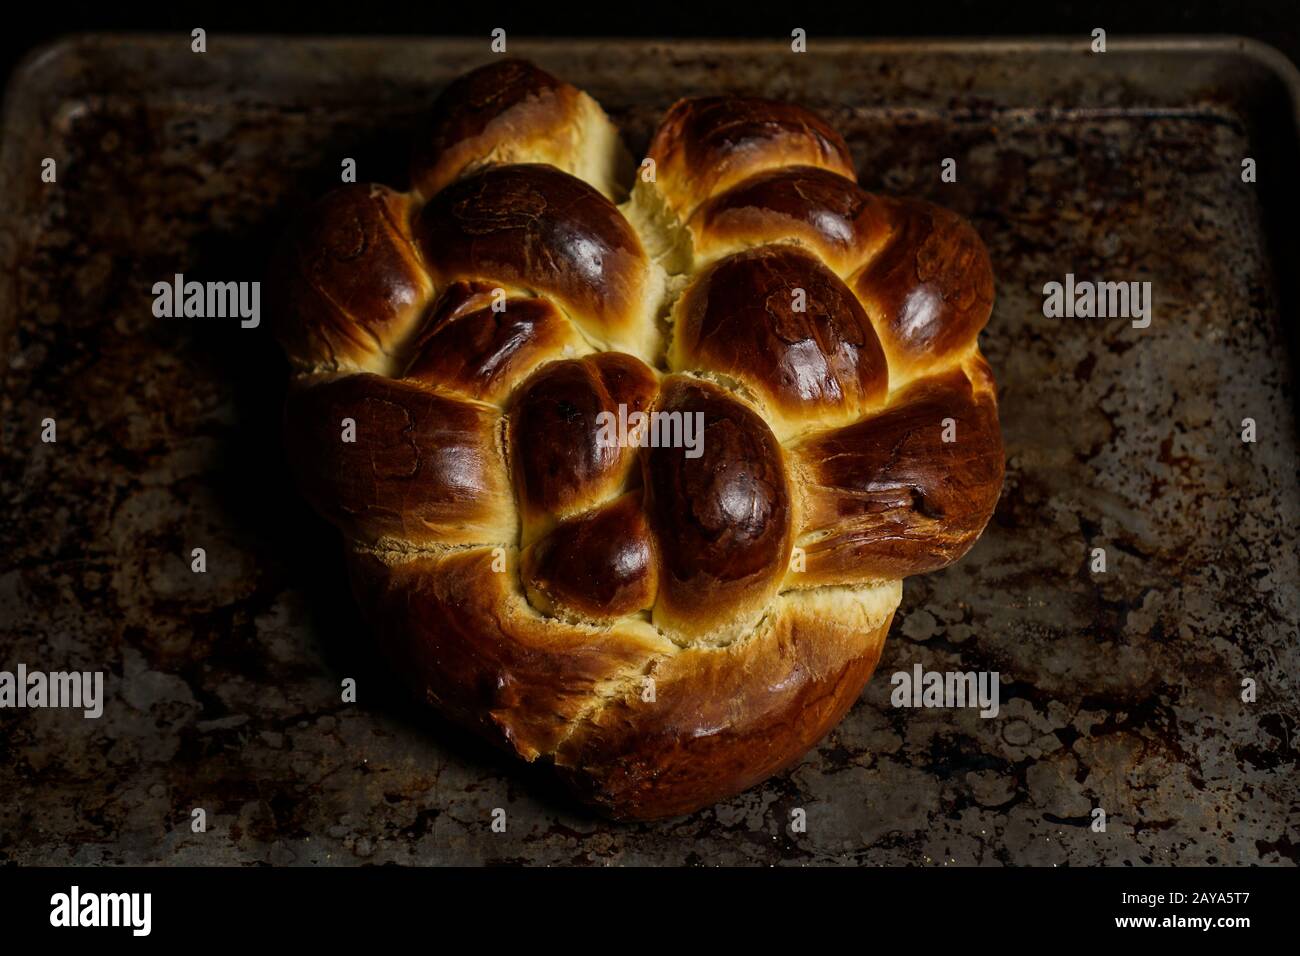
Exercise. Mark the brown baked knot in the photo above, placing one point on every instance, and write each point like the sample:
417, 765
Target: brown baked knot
667, 625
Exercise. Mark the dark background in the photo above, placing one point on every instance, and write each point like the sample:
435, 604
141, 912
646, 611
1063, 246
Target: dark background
1276, 22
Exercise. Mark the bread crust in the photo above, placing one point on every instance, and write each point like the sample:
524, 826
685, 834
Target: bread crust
725, 718
804, 419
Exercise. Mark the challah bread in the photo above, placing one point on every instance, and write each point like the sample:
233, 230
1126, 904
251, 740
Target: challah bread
665, 625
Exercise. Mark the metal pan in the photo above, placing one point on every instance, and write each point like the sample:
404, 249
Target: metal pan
1120, 691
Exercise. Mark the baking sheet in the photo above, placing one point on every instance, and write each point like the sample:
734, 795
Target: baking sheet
1120, 691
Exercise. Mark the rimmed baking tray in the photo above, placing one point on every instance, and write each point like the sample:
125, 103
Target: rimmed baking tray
1120, 691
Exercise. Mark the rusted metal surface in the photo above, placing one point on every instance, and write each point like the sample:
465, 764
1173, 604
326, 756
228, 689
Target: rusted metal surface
1119, 691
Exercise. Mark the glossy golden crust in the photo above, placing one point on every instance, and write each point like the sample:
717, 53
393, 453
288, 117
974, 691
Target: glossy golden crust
511, 112
560, 464
393, 463
461, 634
840, 223
930, 289
597, 566
483, 345
632, 489
722, 520
349, 285
706, 145
539, 228
725, 718
905, 492
790, 330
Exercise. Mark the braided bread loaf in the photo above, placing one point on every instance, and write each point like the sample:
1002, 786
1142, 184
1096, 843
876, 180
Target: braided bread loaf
666, 626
